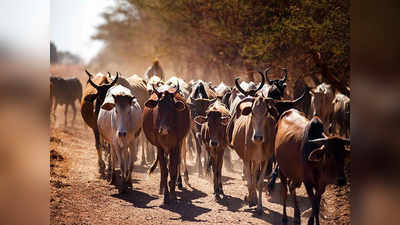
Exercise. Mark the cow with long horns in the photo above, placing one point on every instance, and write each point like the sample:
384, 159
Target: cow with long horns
166, 122
92, 99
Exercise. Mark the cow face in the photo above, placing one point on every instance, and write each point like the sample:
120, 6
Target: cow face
167, 106
121, 104
330, 156
216, 127
101, 91
199, 106
260, 110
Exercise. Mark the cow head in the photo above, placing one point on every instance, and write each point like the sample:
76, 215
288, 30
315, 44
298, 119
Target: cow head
253, 92
120, 99
277, 87
260, 110
101, 90
167, 105
199, 106
217, 120
330, 155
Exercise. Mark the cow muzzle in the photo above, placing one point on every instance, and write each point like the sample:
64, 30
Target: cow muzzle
121, 134
213, 143
258, 138
163, 131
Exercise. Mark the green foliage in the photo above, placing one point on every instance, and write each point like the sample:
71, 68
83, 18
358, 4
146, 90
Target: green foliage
234, 33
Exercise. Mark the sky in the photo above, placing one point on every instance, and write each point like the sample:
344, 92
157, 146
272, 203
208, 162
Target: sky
73, 22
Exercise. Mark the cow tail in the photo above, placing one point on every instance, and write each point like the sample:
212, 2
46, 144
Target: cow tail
153, 167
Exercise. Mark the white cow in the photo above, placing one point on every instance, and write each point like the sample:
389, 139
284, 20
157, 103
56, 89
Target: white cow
119, 123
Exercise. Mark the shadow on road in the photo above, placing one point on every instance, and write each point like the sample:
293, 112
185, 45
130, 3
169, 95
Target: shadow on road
137, 198
184, 206
232, 203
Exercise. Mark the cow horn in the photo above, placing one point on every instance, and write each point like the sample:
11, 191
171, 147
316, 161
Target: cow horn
155, 90
262, 82
318, 141
299, 98
266, 74
115, 80
91, 82
285, 71
109, 75
90, 75
240, 88
177, 88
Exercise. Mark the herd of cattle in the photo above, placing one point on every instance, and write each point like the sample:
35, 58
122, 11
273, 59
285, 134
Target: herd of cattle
301, 140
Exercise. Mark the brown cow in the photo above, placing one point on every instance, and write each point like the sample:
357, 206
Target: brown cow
251, 134
305, 154
92, 99
321, 103
213, 135
166, 122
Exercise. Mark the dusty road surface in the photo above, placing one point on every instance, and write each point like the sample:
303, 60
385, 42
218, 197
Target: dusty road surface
79, 196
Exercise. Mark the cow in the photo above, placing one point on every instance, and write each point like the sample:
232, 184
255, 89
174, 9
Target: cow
274, 88
199, 100
184, 87
341, 115
251, 133
221, 90
119, 123
321, 103
305, 154
213, 135
154, 80
154, 70
301, 87
166, 122
92, 99
64, 92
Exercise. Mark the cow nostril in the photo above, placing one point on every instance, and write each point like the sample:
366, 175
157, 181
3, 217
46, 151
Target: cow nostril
213, 143
121, 134
258, 138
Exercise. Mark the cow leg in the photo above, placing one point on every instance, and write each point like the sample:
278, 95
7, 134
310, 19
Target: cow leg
198, 157
292, 189
283, 196
113, 163
312, 198
101, 163
260, 184
132, 155
184, 165
173, 170
249, 183
74, 109
317, 203
143, 161
253, 173
54, 109
122, 168
190, 145
164, 175
65, 115
228, 160
220, 161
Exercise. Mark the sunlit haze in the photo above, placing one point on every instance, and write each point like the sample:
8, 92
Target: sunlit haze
73, 22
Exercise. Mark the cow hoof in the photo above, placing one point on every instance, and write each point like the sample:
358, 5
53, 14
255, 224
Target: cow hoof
311, 221
180, 186
142, 163
284, 219
166, 199
121, 189
259, 211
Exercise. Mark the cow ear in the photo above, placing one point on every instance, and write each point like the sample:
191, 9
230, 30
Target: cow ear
225, 120
179, 105
200, 120
151, 103
317, 155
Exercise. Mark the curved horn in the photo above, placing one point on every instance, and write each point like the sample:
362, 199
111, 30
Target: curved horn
240, 88
109, 75
155, 90
90, 80
262, 82
299, 98
266, 71
177, 88
285, 71
90, 75
318, 141
115, 80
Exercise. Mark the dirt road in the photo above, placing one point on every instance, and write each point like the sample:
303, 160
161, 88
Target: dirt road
79, 196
